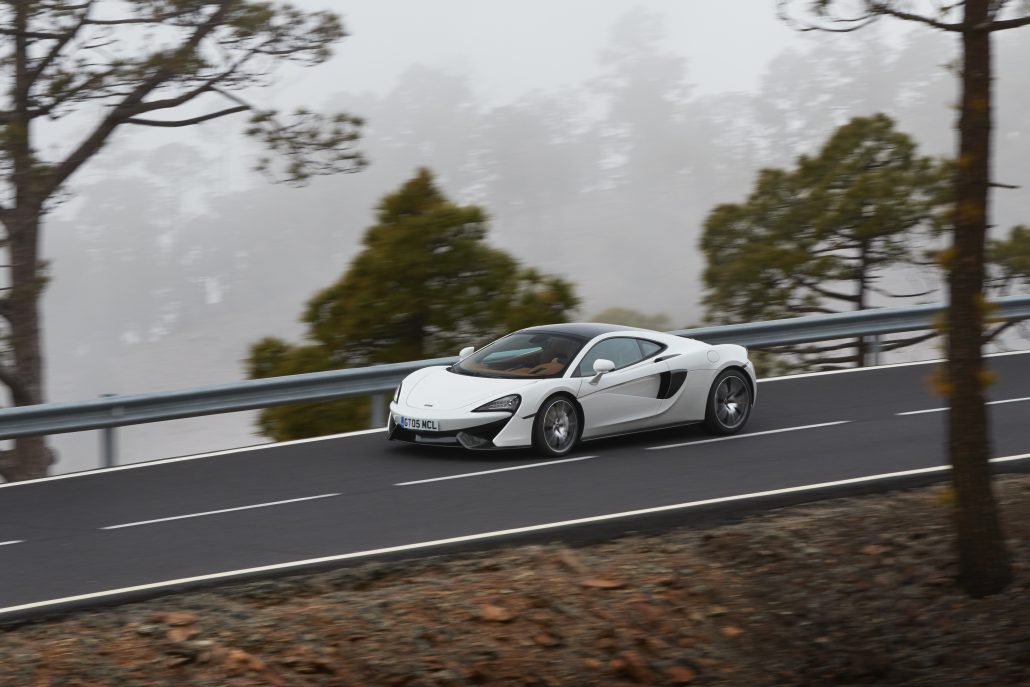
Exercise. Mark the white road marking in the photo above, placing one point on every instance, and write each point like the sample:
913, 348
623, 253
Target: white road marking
932, 361
490, 472
920, 412
988, 403
13, 541
1008, 400
216, 512
179, 459
480, 536
750, 434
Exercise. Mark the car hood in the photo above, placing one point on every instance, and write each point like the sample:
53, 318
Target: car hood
440, 389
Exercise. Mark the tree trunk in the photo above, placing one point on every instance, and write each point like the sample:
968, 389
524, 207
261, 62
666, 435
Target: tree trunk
23, 368
30, 458
983, 560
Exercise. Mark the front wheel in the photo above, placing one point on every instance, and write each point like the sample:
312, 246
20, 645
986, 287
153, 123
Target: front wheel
729, 403
557, 427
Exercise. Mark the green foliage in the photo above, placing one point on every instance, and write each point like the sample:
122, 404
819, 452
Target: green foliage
818, 237
634, 318
1010, 258
425, 285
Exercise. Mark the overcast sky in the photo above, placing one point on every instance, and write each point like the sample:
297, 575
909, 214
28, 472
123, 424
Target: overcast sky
509, 48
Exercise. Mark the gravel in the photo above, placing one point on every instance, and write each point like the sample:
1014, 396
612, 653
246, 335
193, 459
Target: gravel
855, 591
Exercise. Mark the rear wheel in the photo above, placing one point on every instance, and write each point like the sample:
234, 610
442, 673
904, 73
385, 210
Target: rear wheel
729, 403
557, 427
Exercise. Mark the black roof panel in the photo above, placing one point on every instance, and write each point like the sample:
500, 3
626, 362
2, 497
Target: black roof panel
586, 330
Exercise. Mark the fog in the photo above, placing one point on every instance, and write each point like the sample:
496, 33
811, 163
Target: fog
596, 134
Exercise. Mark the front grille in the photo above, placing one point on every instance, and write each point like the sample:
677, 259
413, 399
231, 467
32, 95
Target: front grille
485, 432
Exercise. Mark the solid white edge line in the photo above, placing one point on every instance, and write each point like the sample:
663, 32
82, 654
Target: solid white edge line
260, 447
196, 456
932, 361
988, 403
750, 434
484, 535
13, 541
216, 512
490, 472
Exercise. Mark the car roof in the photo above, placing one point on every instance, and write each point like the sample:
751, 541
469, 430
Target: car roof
583, 330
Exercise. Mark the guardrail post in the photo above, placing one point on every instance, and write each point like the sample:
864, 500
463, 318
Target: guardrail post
875, 348
378, 411
108, 443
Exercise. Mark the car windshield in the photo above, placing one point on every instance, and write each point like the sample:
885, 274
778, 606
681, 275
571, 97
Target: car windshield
533, 355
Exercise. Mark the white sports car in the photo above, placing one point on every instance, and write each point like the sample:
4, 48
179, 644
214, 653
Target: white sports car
550, 387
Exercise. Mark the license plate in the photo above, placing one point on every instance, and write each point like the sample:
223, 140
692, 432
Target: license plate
419, 424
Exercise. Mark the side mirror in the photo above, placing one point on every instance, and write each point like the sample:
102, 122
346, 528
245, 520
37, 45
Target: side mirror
466, 352
602, 365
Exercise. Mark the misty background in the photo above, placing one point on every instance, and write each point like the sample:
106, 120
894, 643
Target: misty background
598, 135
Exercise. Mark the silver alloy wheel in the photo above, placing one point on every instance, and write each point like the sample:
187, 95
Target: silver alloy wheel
732, 399
561, 425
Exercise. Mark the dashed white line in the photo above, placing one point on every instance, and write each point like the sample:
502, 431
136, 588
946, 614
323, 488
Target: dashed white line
13, 541
1008, 400
479, 536
920, 412
988, 403
750, 434
216, 512
179, 459
932, 361
490, 472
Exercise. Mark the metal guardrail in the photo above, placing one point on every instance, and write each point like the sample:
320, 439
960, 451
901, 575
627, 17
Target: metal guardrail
845, 325
109, 412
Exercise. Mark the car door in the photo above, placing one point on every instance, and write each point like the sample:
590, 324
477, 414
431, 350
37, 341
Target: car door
627, 397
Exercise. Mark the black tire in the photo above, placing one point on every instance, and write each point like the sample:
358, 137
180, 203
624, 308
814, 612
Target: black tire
557, 426
729, 403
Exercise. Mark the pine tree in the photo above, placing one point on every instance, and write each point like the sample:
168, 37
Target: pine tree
425, 285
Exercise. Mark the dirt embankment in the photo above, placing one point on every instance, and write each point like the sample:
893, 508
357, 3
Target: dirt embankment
850, 592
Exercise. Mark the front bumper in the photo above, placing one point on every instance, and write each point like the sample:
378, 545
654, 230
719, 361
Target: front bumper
477, 431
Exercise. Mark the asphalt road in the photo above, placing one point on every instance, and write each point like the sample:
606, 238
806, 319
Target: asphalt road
106, 533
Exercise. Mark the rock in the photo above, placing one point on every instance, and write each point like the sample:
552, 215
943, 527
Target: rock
242, 661
495, 614
175, 618
680, 675
568, 558
181, 634
546, 639
629, 664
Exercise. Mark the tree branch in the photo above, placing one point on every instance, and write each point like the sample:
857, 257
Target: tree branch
188, 122
1008, 24
895, 344
35, 35
848, 298
56, 49
987, 338
96, 140
891, 294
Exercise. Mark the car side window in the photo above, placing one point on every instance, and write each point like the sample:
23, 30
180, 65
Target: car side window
623, 351
649, 348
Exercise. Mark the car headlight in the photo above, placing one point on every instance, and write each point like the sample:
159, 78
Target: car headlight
507, 404
397, 394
